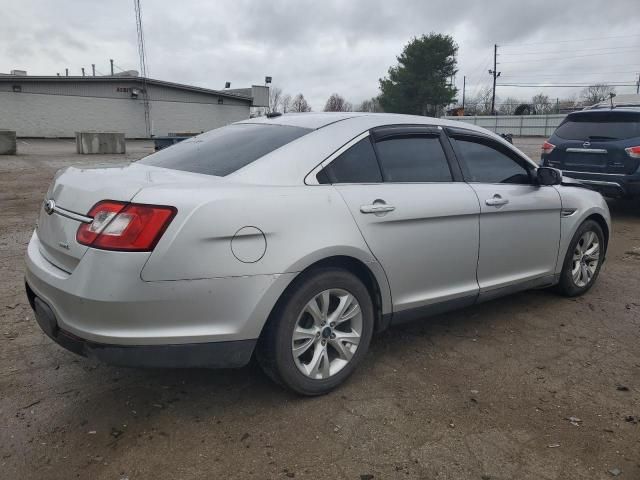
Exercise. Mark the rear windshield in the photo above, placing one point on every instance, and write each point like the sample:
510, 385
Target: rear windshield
600, 126
224, 150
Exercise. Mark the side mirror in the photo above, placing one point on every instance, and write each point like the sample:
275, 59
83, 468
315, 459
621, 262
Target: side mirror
548, 176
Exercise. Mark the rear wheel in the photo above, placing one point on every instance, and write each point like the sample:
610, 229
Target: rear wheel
583, 260
319, 333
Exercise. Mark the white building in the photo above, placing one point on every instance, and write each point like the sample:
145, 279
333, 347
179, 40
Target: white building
59, 106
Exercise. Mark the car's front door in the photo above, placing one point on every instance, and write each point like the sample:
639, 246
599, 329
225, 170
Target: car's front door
419, 222
519, 220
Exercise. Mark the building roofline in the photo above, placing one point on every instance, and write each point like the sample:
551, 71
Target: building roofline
151, 81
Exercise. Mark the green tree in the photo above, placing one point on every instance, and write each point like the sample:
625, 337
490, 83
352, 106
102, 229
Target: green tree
421, 82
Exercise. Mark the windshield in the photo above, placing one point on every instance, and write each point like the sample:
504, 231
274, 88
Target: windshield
224, 150
600, 126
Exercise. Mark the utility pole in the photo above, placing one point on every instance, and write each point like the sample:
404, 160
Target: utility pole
464, 88
495, 74
93, 69
66, 72
83, 71
638, 84
143, 68
111, 60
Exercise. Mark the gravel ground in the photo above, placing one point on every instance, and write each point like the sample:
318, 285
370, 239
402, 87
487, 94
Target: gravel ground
483, 393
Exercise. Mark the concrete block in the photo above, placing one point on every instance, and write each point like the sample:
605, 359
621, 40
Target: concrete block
100, 142
7, 142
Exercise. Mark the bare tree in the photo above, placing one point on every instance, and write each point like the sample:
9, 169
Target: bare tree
336, 103
299, 104
371, 105
568, 104
508, 106
481, 103
540, 104
275, 99
597, 93
285, 103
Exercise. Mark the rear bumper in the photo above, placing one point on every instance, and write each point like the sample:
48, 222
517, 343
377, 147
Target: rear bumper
607, 184
104, 309
207, 355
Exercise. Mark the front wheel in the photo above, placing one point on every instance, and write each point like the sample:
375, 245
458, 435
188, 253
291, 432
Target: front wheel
319, 333
583, 260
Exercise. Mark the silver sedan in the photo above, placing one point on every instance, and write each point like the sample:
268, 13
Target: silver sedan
296, 237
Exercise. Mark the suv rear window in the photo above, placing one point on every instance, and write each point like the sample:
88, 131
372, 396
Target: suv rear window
600, 126
224, 150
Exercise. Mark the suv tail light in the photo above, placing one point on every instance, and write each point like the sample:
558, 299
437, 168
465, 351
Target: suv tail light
633, 152
547, 148
124, 226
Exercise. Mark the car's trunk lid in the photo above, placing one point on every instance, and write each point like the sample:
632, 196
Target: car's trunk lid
75, 190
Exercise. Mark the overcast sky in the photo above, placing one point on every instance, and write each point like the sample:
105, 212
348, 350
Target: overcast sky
325, 46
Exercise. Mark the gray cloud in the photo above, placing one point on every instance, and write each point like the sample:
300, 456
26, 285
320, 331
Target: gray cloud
318, 47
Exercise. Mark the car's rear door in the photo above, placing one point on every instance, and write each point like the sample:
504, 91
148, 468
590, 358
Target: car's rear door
519, 220
417, 216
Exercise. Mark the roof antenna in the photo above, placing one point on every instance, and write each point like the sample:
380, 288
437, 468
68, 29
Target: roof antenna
611, 95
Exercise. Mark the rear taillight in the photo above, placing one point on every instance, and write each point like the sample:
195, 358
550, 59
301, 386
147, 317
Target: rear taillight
123, 226
547, 148
633, 152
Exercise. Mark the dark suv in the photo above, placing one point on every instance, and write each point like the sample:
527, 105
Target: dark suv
599, 147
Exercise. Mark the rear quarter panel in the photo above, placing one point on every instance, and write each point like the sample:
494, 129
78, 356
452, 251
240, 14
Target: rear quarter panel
298, 224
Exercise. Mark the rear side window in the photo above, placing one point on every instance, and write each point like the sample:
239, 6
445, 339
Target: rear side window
413, 159
356, 165
482, 163
224, 150
600, 126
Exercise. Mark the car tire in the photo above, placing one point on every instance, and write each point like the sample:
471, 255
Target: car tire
572, 284
326, 355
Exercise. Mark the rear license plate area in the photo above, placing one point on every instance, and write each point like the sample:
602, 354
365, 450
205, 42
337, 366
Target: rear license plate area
586, 160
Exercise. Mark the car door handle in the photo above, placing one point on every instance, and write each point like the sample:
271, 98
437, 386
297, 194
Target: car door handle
377, 208
496, 201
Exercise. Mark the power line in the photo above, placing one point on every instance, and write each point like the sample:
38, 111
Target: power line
630, 47
572, 85
584, 80
565, 58
572, 72
570, 41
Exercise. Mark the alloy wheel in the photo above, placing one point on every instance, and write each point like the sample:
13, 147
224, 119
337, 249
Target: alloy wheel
326, 334
586, 257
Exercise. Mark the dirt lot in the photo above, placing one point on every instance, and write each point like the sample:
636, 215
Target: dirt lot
484, 393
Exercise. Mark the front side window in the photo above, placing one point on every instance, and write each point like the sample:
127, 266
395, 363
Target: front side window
357, 165
413, 159
482, 163
225, 150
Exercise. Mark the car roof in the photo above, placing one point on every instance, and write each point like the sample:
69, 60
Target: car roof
289, 164
317, 120
311, 120
622, 110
